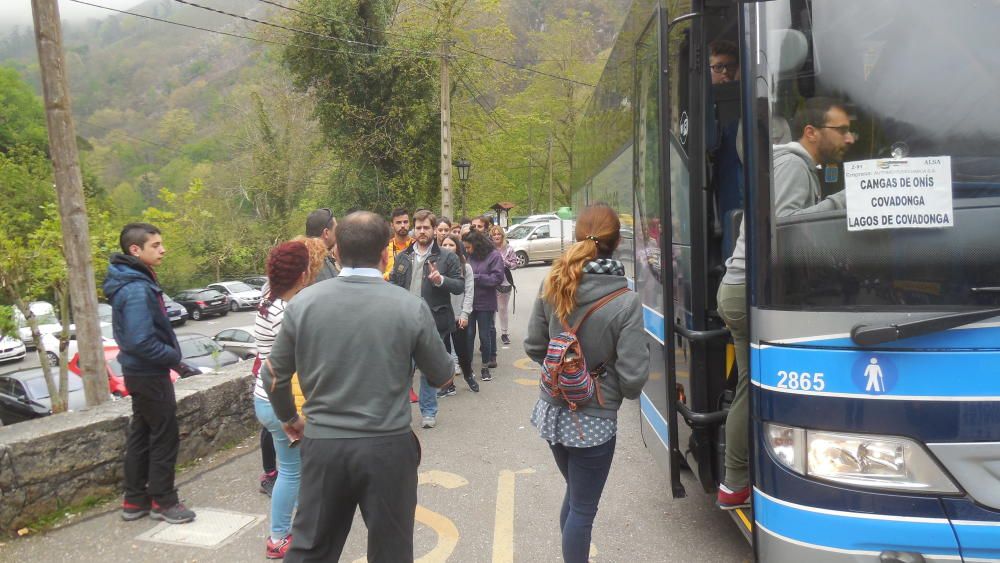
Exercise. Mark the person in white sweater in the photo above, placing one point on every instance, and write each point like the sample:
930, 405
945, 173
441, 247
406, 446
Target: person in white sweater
462, 305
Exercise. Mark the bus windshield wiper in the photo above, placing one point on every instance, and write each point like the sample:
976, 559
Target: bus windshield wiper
870, 335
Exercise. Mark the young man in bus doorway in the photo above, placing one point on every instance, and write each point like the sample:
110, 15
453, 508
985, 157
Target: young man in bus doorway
825, 135
148, 349
723, 61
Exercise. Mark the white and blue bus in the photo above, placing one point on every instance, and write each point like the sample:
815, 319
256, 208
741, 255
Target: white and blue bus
875, 326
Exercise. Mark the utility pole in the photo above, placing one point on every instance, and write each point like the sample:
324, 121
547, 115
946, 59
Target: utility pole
551, 205
446, 206
69, 191
531, 186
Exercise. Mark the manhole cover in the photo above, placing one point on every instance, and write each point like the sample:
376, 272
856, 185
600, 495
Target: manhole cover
211, 529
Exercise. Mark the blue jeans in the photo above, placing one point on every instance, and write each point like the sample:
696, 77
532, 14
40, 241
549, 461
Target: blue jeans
585, 471
483, 320
428, 398
286, 488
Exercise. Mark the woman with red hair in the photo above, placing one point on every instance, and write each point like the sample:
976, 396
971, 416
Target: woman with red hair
290, 267
588, 284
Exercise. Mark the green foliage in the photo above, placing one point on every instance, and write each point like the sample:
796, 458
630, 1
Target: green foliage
376, 104
8, 326
22, 116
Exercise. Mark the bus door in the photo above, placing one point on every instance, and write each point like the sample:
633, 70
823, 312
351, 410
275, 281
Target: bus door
699, 345
654, 270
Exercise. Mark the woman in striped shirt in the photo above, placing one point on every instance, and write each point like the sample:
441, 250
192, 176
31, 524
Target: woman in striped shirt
290, 267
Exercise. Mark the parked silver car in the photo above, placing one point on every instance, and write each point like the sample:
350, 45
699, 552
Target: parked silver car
239, 341
540, 241
241, 295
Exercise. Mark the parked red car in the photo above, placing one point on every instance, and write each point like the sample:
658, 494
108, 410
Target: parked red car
116, 383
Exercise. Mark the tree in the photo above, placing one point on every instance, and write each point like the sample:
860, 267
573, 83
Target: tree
375, 101
32, 262
22, 117
202, 235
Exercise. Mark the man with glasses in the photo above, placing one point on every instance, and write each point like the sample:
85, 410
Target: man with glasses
321, 224
825, 135
723, 61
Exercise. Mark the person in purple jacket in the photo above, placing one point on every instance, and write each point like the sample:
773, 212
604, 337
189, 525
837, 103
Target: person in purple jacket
487, 268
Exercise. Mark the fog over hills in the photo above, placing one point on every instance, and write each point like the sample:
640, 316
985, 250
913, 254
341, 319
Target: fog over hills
18, 12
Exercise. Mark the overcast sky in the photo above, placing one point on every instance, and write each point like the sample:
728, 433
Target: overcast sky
18, 12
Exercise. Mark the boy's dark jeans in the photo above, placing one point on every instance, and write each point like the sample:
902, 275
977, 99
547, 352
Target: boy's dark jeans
153, 441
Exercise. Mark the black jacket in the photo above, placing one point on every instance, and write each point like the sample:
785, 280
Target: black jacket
146, 341
437, 298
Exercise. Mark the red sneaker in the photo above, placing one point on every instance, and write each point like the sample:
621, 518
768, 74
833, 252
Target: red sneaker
278, 549
731, 500
132, 511
413, 397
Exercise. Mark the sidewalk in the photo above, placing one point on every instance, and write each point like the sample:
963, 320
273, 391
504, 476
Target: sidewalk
489, 492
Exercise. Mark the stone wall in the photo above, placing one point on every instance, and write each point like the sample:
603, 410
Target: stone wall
61, 460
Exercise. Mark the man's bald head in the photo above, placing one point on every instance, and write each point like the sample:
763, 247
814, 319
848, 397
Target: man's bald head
362, 237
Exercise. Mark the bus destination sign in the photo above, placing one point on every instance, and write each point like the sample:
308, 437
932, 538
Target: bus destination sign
905, 193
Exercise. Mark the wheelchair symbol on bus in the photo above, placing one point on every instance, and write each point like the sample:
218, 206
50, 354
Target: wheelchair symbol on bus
875, 375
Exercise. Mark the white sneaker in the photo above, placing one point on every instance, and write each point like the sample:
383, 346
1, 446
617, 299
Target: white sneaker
428, 422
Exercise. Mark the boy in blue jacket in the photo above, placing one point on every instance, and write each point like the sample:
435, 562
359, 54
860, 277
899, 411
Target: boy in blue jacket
148, 349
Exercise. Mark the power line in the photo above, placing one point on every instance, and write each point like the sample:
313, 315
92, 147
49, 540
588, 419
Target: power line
489, 112
236, 35
514, 65
335, 20
307, 32
469, 51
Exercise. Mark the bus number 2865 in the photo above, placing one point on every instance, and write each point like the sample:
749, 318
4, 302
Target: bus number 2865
803, 381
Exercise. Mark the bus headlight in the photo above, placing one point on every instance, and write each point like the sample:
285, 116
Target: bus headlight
878, 462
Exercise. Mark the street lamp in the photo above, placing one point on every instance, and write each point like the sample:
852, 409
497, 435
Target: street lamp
463, 166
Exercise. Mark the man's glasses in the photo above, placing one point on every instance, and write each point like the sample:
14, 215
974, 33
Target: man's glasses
720, 68
844, 130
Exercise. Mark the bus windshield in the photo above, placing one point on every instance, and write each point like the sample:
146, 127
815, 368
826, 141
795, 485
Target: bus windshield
885, 154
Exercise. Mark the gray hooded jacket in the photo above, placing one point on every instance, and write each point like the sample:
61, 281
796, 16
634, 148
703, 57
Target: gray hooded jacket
613, 334
796, 192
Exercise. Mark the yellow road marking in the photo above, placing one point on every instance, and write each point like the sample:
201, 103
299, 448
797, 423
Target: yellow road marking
526, 364
503, 527
441, 479
526, 382
447, 535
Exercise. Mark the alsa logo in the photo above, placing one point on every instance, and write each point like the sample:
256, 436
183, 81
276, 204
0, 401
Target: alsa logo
874, 374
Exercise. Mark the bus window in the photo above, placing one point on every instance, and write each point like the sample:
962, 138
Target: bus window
885, 63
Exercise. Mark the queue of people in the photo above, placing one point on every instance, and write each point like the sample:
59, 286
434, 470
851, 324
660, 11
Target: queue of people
323, 436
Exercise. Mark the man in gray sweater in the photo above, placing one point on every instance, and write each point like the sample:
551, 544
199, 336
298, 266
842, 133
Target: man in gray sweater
352, 340
825, 135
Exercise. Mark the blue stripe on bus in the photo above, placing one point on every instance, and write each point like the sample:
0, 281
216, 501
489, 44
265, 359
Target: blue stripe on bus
653, 322
854, 531
978, 540
655, 419
932, 376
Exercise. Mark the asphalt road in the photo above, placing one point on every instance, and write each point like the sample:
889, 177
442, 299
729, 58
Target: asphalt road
489, 490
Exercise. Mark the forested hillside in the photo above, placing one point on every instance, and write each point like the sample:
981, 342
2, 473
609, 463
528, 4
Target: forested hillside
229, 141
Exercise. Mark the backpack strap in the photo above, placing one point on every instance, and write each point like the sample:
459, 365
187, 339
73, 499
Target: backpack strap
602, 302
